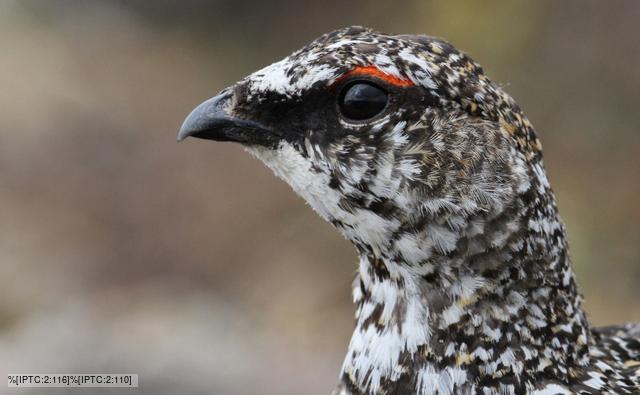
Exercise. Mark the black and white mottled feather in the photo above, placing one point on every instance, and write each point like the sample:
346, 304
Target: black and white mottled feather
465, 283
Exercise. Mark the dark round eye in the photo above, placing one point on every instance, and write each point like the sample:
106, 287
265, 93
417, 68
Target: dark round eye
362, 100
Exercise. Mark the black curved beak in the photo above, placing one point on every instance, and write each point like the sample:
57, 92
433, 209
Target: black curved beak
211, 120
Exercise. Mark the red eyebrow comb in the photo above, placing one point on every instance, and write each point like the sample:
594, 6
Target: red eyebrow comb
373, 71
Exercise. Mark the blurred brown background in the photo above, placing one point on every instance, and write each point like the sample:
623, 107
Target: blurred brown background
190, 264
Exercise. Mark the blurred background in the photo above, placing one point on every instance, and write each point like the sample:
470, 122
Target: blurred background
195, 267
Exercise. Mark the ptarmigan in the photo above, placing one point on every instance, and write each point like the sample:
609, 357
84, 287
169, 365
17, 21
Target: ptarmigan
435, 175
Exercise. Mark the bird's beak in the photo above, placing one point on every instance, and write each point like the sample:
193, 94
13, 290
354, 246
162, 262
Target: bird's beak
211, 120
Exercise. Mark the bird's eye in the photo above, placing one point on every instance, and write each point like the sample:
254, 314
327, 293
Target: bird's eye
362, 100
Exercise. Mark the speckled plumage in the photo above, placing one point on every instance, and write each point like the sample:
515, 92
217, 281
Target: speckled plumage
465, 283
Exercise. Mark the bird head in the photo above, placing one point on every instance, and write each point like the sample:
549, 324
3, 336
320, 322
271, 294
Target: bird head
399, 141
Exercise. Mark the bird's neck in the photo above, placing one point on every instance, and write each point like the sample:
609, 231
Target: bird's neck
502, 305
